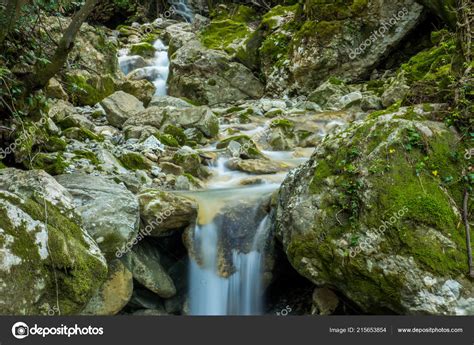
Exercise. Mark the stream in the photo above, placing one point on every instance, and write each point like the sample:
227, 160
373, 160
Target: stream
227, 265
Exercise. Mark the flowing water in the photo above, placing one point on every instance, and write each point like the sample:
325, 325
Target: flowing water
181, 7
232, 232
156, 72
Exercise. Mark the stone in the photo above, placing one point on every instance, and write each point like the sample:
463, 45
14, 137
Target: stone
325, 301
357, 249
120, 106
256, 166
43, 246
164, 213
148, 271
109, 211
168, 101
210, 77
143, 90
114, 294
55, 90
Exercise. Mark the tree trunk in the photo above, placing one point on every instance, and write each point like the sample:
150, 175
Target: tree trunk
9, 15
42, 75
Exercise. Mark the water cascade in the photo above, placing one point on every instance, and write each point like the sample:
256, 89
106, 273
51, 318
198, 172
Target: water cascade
156, 72
182, 8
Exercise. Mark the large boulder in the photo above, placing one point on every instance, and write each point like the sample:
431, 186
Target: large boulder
375, 214
298, 47
114, 294
48, 262
210, 77
200, 118
147, 270
120, 106
163, 213
109, 211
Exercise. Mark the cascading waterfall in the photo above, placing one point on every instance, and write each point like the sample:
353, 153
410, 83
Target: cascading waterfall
242, 292
157, 72
182, 8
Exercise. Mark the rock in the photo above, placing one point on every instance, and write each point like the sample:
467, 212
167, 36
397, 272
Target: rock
76, 120
357, 216
200, 118
145, 299
164, 213
55, 90
373, 31
210, 77
85, 88
114, 294
170, 168
351, 99
109, 211
120, 106
44, 246
143, 90
178, 35
325, 301
256, 166
147, 270
190, 161
168, 101
143, 49
131, 62
328, 93
396, 91
371, 102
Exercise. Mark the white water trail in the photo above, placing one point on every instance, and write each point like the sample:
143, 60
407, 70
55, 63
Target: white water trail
242, 292
181, 7
157, 72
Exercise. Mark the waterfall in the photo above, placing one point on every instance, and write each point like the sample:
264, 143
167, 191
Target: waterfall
157, 72
239, 294
181, 8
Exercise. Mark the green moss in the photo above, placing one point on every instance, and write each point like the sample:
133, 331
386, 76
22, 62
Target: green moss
55, 144
69, 265
2, 166
89, 90
177, 133
134, 161
282, 123
53, 164
241, 139
221, 34
89, 155
82, 134
144, 49
168, 140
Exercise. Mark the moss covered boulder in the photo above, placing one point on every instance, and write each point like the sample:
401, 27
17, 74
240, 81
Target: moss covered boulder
109, 211
48, 262
375, 213
210, 77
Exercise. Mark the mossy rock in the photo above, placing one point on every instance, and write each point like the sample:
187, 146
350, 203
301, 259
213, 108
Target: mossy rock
374, 213
86, 89
221, 34
168, 140
82, 134
49, 264
143, 49
134, 161
52, 163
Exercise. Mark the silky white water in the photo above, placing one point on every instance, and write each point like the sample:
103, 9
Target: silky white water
157, 70
181, 7
242, 292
